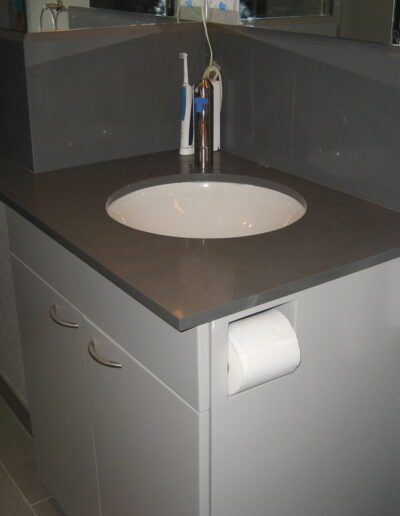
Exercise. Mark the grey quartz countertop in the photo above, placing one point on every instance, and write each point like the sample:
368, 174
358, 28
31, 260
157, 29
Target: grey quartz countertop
188, 282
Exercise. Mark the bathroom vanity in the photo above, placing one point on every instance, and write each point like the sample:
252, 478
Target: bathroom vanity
125, 339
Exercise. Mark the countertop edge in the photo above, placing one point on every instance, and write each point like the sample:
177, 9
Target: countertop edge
76, 251
189, 322
287, 289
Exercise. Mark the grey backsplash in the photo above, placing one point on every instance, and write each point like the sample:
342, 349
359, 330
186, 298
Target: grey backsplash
324, 109
108, 93
15, 141
317, 107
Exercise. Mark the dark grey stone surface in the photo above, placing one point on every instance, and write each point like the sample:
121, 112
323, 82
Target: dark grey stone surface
107, 93
188, 282
319, 108
15, 138
316, 107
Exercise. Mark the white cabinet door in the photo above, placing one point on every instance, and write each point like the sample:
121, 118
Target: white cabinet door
147, 439
56, 375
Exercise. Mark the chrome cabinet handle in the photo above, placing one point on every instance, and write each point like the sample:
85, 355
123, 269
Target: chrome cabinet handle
54, 317
103, 361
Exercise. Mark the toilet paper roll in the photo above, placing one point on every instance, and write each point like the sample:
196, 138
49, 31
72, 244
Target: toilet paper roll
261, 348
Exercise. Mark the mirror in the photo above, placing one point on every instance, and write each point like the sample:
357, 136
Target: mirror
364, 20
50, 15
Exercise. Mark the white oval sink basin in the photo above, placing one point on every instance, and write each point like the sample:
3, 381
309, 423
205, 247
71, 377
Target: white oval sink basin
205, 209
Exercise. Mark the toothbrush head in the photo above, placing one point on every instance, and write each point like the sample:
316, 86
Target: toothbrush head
183, 56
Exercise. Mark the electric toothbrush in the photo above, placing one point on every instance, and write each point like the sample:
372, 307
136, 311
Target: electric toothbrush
186, 147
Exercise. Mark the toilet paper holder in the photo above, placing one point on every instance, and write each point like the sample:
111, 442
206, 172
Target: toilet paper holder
262, 347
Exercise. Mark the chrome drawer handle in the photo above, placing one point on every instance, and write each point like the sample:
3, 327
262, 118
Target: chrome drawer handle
54, 317
103, 361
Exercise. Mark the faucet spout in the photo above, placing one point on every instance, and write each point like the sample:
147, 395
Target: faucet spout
203, 124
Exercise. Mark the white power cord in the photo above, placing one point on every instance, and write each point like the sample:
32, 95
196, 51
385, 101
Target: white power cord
213, 70
53, 18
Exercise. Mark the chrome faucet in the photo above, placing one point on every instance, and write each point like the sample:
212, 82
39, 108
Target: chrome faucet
203, 124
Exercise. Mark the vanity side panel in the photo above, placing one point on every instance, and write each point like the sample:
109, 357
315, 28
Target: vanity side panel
324, 439
11, 368
171, 355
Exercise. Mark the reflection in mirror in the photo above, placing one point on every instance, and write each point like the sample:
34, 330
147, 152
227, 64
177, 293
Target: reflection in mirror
12, 15
83, 18
50, 15
364, 20
284, 8
163, 7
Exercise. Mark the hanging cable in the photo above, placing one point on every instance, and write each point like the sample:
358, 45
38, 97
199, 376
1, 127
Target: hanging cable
213, 70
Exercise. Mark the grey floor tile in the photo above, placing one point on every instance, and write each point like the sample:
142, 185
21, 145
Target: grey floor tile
16, 454
48, 508
11, 501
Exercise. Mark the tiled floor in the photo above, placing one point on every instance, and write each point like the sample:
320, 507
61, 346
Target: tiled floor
21, 492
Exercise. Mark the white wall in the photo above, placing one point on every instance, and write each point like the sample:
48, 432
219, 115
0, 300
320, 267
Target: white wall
34, 7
